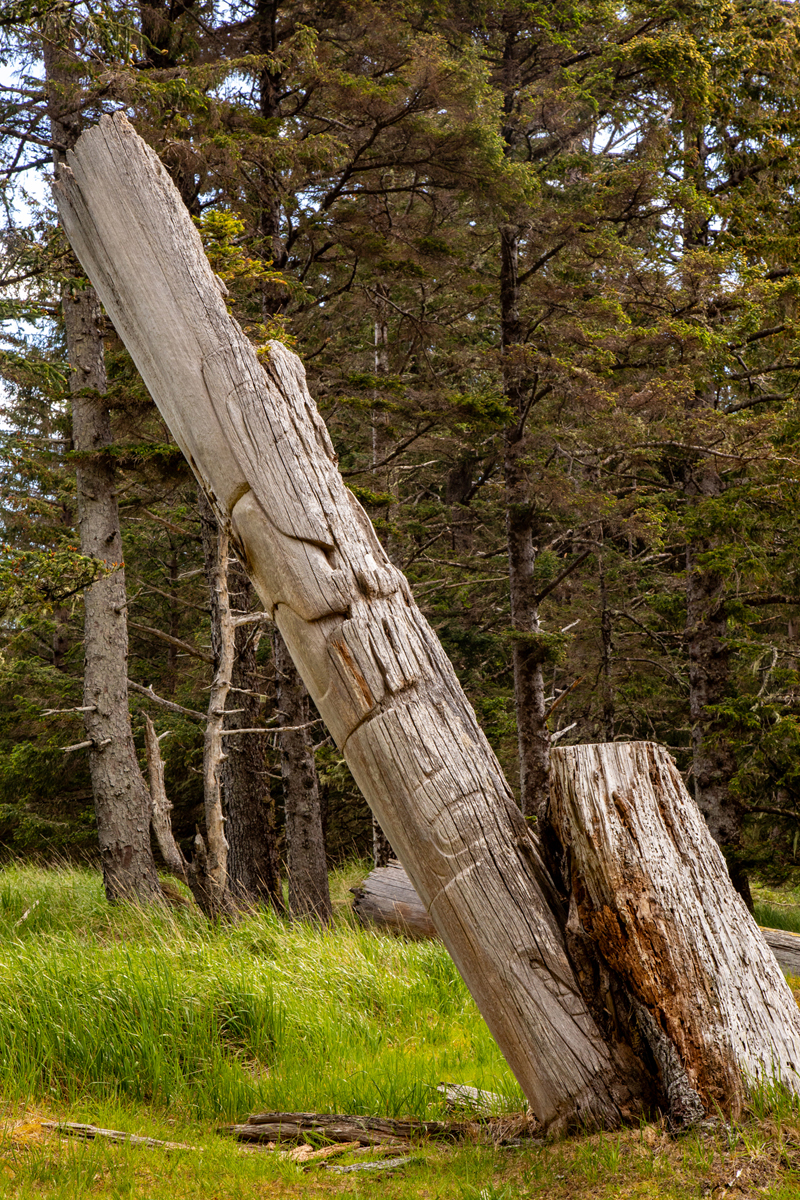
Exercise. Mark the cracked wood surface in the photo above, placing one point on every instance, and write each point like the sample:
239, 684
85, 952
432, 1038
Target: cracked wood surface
375, 669
653, 893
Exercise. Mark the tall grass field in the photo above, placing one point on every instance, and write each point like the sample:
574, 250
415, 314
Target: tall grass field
214, 1022
155, 1022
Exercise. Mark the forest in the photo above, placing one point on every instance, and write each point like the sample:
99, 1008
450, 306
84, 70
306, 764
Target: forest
539, 263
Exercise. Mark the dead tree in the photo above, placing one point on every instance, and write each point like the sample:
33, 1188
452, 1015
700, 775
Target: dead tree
240, 780
373, 666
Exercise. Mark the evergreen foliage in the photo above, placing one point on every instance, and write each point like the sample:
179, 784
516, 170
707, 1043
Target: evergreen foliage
355, 171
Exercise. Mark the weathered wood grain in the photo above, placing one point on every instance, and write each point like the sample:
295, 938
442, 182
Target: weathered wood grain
387, 898
375, 669
652, 893
785, 947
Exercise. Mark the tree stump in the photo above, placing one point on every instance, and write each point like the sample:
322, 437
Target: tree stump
652, 905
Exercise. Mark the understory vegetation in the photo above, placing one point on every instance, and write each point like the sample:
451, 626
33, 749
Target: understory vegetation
154, 1022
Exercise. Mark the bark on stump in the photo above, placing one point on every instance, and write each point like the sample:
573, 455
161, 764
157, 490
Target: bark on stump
653, 909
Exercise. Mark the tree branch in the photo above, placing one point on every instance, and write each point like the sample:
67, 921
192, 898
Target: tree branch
171, 641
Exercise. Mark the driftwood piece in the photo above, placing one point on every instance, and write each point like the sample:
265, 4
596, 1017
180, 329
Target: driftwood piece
387, 898
653, 904
371, 662
90, 1132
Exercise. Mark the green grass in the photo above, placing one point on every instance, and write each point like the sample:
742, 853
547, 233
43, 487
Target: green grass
773, 917
157, 1007
153, 1022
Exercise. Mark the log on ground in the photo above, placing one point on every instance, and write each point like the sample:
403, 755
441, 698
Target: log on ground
387, 899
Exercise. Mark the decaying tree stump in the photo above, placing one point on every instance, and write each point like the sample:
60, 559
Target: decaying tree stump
375, 669
653, 914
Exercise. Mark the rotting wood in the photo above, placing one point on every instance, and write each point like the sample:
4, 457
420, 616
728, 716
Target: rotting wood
653, 909
388, 1126
89, 1132
786, 948
375, 669
387, 1164
289, 1131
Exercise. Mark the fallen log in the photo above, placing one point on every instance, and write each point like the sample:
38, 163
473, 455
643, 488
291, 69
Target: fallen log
385, 1126
291, 1131
387, 898
786, 948
460, 1096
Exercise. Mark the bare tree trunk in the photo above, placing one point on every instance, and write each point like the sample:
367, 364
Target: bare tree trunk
375, 669
309, 896
253, 872
606, 663
211, 862
529, 691
161, 808
197, 872
382, 852
713, 759
121, 802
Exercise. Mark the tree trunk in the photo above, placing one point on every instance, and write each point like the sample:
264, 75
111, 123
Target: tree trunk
382, 852
375, 669
252, 860
607, 655
121, 801
309, 896
529, 693
654, 910
713, 759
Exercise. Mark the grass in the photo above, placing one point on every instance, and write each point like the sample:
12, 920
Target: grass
777, 907
155, 1006
153, 1022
